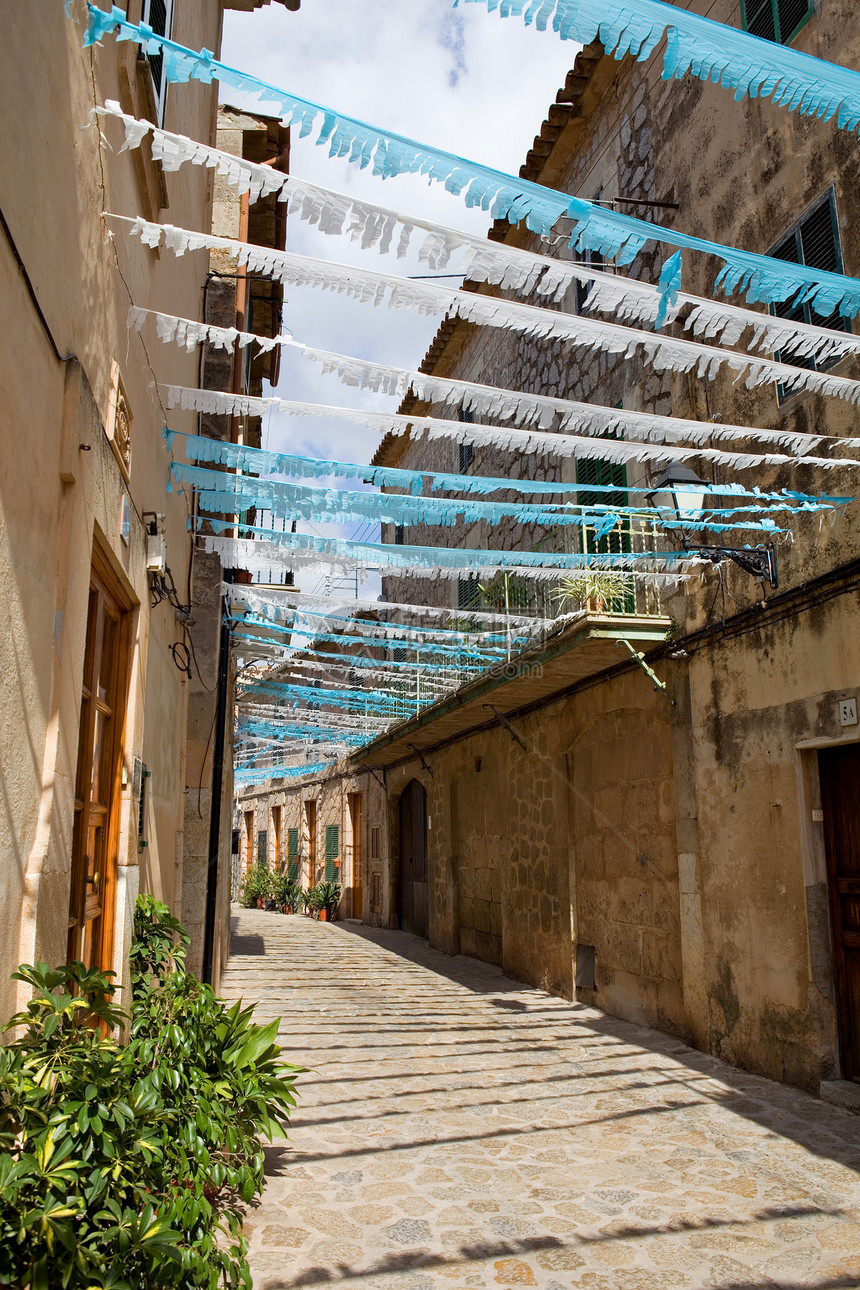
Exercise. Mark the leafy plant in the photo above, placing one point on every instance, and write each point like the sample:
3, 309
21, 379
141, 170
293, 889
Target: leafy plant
126, 1166
256, 885
285, 890
327, 896
598, 589
159, 945
309, 900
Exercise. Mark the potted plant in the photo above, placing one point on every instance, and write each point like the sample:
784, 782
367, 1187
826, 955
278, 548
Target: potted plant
285, 891
595, 592
306, 901
328, 898
251, 890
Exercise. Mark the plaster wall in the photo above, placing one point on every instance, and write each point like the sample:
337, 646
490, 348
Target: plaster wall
59, 499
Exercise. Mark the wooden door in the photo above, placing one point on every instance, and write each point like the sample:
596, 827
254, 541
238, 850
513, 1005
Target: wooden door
356, 819
839, 770
95, 840
311, 834
413, 893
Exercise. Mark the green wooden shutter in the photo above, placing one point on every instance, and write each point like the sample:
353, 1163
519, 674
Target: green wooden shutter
293, 855
332, 849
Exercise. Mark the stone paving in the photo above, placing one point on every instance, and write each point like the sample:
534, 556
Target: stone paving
458, 1129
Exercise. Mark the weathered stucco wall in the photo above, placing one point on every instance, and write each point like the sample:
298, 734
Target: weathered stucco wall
57, 498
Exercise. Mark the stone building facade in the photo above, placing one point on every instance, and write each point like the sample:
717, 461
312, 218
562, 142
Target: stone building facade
677, 846
331, 826
680, 858
93, 704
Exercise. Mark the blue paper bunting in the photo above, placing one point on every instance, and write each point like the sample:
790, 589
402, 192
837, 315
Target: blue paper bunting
599, 229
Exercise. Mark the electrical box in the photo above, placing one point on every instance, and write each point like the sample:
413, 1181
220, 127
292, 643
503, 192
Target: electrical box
156, 553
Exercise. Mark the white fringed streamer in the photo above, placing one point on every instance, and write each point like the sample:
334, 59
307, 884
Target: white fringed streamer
287, 600
261, 556
529, 441
509, 267
427, 298
541, 410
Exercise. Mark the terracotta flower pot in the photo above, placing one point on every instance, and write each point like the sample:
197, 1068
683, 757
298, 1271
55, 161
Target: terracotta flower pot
261, 904
323, 915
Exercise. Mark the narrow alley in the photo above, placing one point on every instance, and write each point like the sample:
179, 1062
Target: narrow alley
458, 1129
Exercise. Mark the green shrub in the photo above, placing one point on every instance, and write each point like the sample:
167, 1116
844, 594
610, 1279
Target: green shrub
326, 895
285, 890
256, 885
126, 1166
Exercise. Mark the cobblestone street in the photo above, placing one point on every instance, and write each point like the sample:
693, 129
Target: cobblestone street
457, 1129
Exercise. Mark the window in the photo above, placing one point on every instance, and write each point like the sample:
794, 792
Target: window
778, 20
468, 592
375, 831
599, 474
814, 240
262, 847
467, 450
332, 851
398, 535
159, 15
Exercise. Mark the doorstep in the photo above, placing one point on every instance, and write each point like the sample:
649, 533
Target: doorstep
841, 1092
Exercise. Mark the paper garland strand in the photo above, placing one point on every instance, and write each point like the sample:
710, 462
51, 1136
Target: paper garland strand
711, 51
222, 494
510, 440
510, 267
543, 411
263, 462
275, 548
664, 353
596, 228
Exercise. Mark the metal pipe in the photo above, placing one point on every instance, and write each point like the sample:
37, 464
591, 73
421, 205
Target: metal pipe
217, 785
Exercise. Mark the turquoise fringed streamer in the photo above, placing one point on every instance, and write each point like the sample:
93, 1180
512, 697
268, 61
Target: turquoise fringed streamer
711, 51
260, 774
820, 87
668, 288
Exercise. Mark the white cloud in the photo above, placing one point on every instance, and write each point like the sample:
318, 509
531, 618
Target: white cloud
460, 79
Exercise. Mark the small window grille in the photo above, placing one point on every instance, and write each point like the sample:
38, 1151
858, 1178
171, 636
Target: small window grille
375, 833
467, 450
376, 893
262, 848
468, 592
159, 15
778, 20
814, 241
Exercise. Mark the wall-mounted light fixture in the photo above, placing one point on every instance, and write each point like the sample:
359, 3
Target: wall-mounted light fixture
685, 492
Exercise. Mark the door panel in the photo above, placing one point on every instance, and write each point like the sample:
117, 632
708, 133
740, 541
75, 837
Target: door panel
95, 841
413, 890
839, 770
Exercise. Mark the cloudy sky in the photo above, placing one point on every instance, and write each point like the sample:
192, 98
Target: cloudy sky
461, 79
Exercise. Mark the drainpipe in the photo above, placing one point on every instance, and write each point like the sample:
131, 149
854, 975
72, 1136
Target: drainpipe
221, 715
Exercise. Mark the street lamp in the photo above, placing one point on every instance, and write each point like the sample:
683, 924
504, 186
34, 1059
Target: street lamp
687, 492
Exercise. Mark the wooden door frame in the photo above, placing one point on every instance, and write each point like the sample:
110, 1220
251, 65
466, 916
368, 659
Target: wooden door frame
102, 571
355, 806
848, 1027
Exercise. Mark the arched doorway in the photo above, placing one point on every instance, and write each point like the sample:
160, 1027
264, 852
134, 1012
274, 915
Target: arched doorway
412, 891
